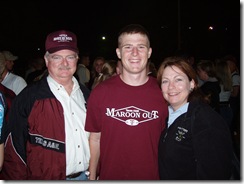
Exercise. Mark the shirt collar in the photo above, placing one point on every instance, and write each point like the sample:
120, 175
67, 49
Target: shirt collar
58, 86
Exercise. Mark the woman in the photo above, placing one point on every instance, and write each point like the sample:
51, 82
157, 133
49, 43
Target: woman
196, 145
108, 70
211, 88
96, 71
223, 74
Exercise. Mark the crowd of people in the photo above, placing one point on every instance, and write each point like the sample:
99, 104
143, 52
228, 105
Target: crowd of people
72, 119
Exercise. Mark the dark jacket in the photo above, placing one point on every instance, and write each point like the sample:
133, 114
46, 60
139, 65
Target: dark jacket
35, 143
198, 151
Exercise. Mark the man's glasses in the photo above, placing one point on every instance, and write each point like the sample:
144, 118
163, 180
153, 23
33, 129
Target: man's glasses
69, 58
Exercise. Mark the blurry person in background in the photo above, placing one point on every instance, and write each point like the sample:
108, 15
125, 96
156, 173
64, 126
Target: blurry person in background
235, 100
235, 94
108, 70
7, 93
211, 88
39, 64
10, 80
96, 70
82, 71
9, 59
223, 74
6, 98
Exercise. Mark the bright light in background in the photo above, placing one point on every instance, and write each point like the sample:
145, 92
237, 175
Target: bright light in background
164, 27
103, 38
210, 28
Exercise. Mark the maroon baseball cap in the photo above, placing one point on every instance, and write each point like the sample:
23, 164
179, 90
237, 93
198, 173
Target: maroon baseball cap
60, 40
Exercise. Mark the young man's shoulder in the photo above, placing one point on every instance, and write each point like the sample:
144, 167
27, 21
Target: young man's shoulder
114, 80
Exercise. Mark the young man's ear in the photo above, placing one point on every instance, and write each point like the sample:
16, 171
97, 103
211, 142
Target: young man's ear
149, 53
118, 53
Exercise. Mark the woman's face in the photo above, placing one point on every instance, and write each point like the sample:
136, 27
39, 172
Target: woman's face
175, 86
98, 66
202, 74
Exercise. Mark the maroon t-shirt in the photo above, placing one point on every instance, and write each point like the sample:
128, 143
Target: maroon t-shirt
130, 119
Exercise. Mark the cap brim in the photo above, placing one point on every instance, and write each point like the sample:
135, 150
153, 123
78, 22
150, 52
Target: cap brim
56, 49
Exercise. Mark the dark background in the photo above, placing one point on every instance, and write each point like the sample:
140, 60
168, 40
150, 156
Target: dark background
25, 25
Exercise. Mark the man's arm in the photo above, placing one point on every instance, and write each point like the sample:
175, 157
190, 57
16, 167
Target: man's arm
1, 155
94, 142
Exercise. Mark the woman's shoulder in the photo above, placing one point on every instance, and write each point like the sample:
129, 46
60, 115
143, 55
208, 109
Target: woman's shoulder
205, 116
201, 106
107, 84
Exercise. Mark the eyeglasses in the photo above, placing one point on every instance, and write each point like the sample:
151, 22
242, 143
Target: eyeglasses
69, 58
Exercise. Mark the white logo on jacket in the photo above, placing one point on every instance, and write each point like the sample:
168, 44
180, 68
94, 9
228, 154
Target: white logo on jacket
180, 134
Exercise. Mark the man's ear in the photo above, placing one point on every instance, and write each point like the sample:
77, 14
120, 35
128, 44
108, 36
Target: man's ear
149, 52
118, 53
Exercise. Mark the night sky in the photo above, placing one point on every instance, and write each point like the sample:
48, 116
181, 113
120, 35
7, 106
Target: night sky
25, 24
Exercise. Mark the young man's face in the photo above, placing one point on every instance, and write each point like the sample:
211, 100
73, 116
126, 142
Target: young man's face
134, 51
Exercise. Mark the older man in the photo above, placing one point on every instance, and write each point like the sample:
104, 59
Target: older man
46, 137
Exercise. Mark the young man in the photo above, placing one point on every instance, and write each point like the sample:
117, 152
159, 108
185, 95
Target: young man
126, 114
47, 140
